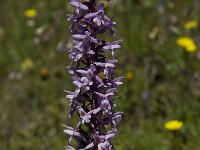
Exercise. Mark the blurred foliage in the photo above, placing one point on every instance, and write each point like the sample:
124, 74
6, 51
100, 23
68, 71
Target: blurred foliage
162, 79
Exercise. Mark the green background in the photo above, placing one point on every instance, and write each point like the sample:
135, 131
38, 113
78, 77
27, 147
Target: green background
165, 84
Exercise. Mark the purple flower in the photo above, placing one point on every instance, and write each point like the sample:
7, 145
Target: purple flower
93, 98
71, 131
78, 5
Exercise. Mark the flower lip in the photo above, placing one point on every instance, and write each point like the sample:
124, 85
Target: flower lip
78, 5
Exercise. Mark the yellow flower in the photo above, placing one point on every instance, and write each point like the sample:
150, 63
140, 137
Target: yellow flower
187, 43
129, 75
190, 25
44, 73
27, 65
173, 125
30, 13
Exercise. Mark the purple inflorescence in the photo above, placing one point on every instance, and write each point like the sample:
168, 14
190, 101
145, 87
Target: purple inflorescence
93, 76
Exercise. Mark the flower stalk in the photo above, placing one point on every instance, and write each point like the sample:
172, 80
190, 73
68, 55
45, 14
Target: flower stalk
94, 77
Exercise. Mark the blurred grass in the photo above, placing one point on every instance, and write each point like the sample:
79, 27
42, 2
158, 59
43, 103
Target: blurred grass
165, 84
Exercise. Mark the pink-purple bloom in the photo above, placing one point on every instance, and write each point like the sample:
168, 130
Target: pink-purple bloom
93, 98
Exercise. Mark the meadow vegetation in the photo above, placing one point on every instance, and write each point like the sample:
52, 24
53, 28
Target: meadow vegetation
159, 57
